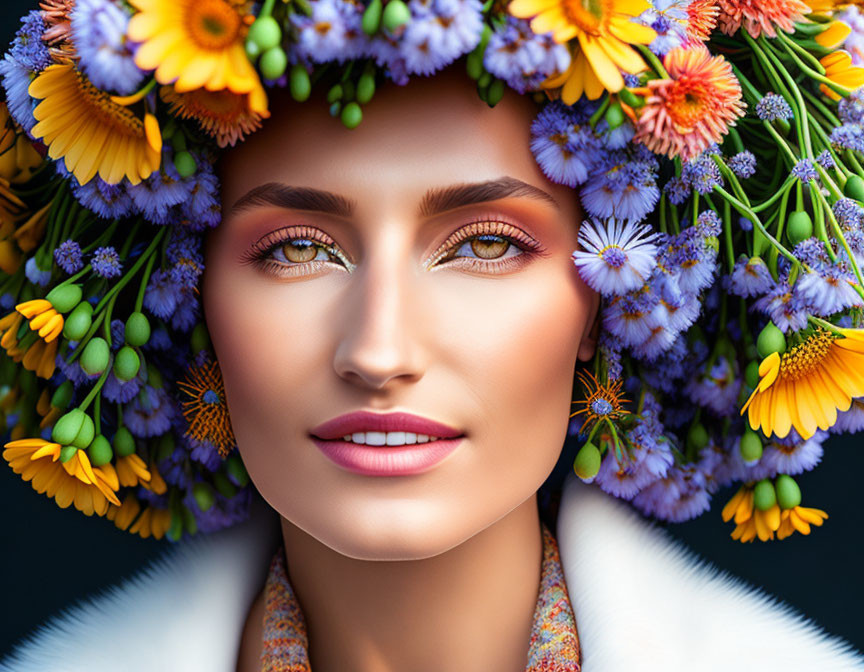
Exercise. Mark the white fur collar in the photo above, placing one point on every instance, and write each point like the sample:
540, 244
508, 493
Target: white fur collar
642, 603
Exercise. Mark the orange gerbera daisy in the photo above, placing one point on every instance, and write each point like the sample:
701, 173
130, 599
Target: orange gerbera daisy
206, 409
806, 386
75, 481
760, 16
604, 30
226, 116
691, 109
194, 44
601, 401
92, 132
701, 19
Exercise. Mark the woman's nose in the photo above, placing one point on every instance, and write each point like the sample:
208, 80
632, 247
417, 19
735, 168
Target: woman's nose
381, 337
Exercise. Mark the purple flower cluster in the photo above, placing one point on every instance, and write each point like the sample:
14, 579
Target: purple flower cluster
773, 107
668, 18
522, 58
170, 293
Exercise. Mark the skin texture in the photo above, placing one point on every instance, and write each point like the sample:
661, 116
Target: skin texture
437, 570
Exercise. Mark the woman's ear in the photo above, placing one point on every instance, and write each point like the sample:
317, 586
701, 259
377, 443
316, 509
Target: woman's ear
588, 345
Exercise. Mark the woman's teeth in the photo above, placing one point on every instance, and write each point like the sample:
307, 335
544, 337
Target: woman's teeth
388, 438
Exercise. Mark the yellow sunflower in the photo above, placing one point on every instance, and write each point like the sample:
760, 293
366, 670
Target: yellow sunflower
751, 522
603, 30
34, 353
92, 132
194, 44
806, 386
839, 69
76, 482
226, 116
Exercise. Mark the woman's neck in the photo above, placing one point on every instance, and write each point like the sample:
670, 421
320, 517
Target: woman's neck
469, 608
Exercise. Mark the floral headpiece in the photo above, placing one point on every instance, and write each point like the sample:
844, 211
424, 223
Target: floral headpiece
716, 146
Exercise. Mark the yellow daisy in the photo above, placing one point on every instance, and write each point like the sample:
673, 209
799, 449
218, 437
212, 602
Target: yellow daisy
76, 482
799, 518
152, 521
36, 354
43, 317
806, 386
839, 69
603, 31
751, 522
91, 131
194, 44
131, 469
18, 158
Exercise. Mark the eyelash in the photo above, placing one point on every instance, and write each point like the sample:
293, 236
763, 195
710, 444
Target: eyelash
261, 252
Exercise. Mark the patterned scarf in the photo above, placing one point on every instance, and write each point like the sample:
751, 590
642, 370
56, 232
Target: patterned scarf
554, 644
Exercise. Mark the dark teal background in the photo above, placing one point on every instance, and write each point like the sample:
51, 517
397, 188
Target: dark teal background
51, 557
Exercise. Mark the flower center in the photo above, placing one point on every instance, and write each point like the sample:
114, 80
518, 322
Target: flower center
614, 256
806, 356
210, 397
601, 407
588, 15
213, 24
108, 111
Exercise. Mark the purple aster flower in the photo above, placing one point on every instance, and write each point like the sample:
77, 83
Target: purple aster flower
785, 308
848, 213
826, 160
848, 136
162, 294
331, 32
615, 258
743, 164
27, 47
811, 251
622, 479
156, 196
709, 224
749, 277
16, 80
106, 262
677, 190
522, 58
68, 256
35, 274
792, 455
98, 30
150, 413
564, 145
203, 207
716, 389
695, 259
702, 174
851, 420
621, 187
109, 201
668, 18
72, 371
224, 512
120, 391
851, 109
205, 453
828, 290
804, 170
681, 495
773, 107
439, 32
632, 317
187, 313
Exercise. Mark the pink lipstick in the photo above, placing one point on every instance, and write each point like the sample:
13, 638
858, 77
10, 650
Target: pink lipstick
385, 444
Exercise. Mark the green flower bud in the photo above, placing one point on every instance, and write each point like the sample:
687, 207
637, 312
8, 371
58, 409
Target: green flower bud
587, 462
788, 492
614, 115
62, 395
96, 355
200, 339
67, 453
495, 93
273, 63
347, 91
485, 80
137, 330
154, 377
630, 98
65, 297
185, 164
764, 496
189, 521
165, 446
474, 64
371, 21
299, 82
85, 434
771, 339
126, 363
78, 322
750, 447
124, 442
253, 51
799, 226
265, 32
236, 470
67, 427
100, 451
175, 529
223, 485
352, 115
751, 374
365, 88
697, 436
396, 14
854, 188
334, 94
204, 495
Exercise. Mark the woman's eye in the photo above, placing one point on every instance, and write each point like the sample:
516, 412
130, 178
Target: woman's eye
301, 250
486, 246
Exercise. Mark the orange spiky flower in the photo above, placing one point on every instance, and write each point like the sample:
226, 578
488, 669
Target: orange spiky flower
601, 402
206, 410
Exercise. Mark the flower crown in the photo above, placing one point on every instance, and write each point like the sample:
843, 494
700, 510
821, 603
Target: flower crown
716, 146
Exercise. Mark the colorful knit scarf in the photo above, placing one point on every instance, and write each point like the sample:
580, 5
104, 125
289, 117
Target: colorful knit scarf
554, 644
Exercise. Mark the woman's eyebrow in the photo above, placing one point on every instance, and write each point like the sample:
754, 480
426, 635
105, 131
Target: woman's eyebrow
440, 200
296, 198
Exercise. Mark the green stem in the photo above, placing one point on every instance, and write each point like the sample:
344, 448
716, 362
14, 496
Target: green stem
652, 60
98, 386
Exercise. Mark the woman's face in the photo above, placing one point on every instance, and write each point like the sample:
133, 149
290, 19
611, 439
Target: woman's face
417, 264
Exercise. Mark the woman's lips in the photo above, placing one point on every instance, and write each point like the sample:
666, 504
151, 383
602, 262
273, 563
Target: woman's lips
385, 444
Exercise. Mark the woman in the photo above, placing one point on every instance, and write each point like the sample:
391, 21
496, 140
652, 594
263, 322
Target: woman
408, 282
